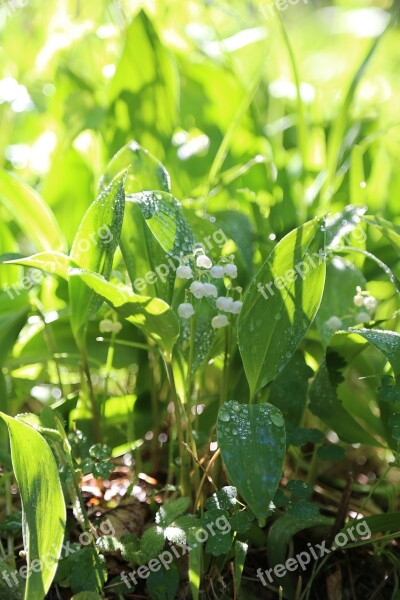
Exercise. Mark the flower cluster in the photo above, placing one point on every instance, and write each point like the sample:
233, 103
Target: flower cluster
203, 273
362, 299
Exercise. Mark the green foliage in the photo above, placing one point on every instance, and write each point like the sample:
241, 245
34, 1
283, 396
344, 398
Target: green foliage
43, 504
252, 435
275, 319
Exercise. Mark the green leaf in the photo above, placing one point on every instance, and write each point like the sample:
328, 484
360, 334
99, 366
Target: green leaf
224, 499
171, 510
152, 315
281, 303
150, 269
252, 435
145, 172
93, 249
54, 263
220, 542
326, 405
88, 571
388, 342
43, 505
151, 544
164, 217
163, 584
300, 489
144, 92
303, 510
31, 213
241, 521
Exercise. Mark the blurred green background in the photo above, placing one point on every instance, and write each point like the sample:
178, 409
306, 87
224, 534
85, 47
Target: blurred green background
209, 88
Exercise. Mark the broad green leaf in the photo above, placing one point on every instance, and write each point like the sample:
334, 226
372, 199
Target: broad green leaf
152, 315
145, 172
326, 405
43, 506
150, 269
93, 249
54, 263
388, 342
281, 303
144, 92
31, 213
252, 435
164, 217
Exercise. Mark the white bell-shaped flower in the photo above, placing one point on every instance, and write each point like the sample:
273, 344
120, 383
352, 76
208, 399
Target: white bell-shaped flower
183, 272
197, 289
210, 290
217, 272
231, 271
370, 303
203, 262
219, 321
186, 310
224, 304
236, 307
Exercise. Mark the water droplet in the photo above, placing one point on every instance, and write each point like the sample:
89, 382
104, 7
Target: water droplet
277, 420
224, 416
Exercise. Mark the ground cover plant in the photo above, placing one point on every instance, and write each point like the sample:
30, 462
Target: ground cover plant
199, 300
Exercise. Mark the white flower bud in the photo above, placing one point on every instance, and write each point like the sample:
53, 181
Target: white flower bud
236, 307
197, 289
217, 272
183, 272
203, 262
358, 300
224, 304
210, 290
231, 271
363, 317
219, 321
334, 323
185, 310
106, 326
370, 303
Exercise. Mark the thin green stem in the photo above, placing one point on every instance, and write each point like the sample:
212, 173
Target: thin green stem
184, 474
